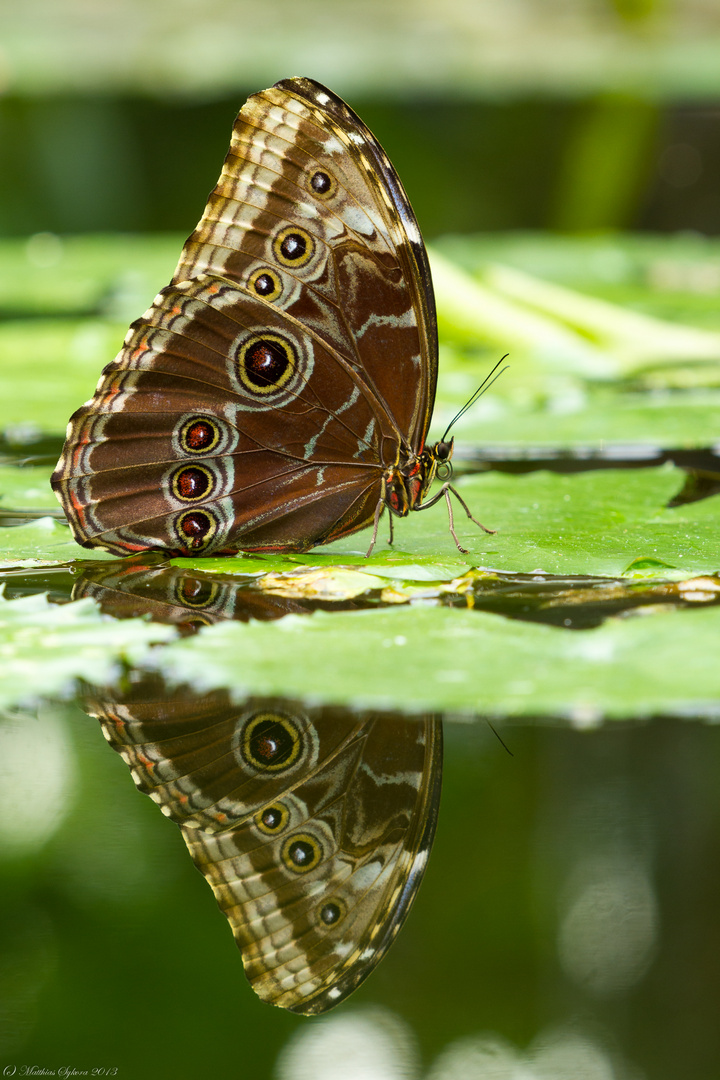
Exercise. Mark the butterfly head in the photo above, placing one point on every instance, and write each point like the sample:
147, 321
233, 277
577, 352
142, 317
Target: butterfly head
442, 452
407, 484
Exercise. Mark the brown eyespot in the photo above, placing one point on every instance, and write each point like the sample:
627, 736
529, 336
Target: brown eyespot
272, 819
265, 283
195, 529
322, 184
271, 742
192, 483
195, 592
265, 363
199, 435
293, 247
301, 853
332, 911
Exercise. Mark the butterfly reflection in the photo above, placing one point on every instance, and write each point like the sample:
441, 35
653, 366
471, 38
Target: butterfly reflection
190, 599
312, 825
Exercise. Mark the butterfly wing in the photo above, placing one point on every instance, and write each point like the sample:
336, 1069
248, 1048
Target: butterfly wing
313, 827
256, 404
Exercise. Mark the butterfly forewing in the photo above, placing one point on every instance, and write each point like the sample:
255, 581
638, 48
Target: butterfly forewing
312, 826
292, 361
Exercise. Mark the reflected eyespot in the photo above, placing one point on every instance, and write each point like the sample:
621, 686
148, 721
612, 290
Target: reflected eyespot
301, 853
332, 911
195, 592
265, 363
196, 529
293, 247
192, 483
199, 435
265, 283
322, 184
272, 819
270, 742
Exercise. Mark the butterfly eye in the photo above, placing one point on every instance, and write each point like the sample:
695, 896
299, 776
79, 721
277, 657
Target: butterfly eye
199, 435
270, 742
293, 247
273, 819
193, 483
301, 853
265, 283
265, 363
332, 912
322, 184
195, 529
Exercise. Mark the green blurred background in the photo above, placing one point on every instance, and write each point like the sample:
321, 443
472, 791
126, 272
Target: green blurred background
567, 115
548, 114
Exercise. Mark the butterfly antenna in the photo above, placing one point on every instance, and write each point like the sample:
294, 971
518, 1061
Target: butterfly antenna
495, 733
482, 388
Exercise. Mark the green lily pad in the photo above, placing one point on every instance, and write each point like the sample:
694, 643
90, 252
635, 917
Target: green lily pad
456, 661
26, 488
462, 661
44, 540
45, 648
587, 523
598, 523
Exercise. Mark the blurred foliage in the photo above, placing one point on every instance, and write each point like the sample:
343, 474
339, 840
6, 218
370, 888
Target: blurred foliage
668, 48
72, 163
533, 114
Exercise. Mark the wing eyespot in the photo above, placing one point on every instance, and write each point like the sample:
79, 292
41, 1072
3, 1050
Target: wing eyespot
271, 742
332, 911
271, 820
192, 483
266, 363
196, 529
195, 592
266, 283
321, 184
199, 435
301, 853
293, 247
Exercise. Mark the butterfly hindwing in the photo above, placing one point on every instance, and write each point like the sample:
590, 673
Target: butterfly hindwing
308, 446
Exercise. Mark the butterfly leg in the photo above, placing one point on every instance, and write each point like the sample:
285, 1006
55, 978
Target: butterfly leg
378, 514
444, 493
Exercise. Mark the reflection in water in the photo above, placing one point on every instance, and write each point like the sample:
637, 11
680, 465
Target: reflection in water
607, 933
28, 962
313, 826
380, 1046
553, 1055
36, 780
568, 927
373, 1044
190, 599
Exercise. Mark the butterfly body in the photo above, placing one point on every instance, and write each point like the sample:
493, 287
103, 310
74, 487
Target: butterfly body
278, 393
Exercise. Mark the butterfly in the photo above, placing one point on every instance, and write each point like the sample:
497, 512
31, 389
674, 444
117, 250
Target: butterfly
313, 826
278, 393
